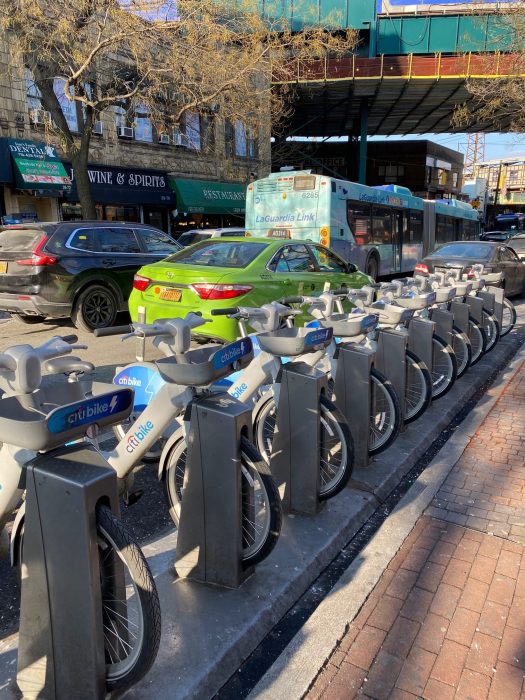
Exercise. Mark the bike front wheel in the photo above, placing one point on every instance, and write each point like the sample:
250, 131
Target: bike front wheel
261, 503
336, 454
444, 367
477, 339
462, 350
509, 317
418, 387
385, 413
491, 328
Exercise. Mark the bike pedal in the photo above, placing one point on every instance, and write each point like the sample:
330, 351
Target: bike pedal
133, 497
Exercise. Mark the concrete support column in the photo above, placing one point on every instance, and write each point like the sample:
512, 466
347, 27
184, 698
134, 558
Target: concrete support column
363, 134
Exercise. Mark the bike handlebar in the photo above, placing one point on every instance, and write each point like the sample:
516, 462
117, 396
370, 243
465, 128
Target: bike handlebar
291, 300
113, 330
225, 312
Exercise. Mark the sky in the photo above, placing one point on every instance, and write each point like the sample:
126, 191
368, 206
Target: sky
496, 145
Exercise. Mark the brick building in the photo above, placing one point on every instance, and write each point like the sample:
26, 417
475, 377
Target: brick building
195, 177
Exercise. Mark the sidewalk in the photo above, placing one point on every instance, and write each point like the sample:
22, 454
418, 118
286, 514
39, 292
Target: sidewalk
447, 617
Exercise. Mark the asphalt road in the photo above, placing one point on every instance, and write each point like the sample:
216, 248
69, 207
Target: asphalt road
149, 516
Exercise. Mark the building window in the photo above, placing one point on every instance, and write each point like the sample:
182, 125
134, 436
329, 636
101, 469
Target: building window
455, 179
239, 141
121, 116
143, 125
68, 107
514, 177
192, 129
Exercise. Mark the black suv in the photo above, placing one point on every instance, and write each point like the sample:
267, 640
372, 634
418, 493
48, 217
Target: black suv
78, 269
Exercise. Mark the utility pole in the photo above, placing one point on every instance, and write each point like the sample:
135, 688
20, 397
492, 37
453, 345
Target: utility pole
475, 153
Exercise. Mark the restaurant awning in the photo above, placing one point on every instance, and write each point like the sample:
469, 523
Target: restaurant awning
208, 197
36, 166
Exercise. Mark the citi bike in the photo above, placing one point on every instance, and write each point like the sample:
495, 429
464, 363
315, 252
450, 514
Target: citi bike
171, 384
418, 384
131, 612
258, 385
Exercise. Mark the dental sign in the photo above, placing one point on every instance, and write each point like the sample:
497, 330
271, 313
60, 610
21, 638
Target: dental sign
100, 409
396, 7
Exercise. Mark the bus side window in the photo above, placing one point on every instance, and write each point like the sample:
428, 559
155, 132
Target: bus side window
358, 217
381, 226
416, 227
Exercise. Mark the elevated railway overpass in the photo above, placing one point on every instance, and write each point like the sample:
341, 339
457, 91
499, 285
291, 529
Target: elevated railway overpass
409, 70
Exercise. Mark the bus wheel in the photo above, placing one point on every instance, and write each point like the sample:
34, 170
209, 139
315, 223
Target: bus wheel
372, 267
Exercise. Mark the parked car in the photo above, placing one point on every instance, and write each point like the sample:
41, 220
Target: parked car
500, 262
78, 269
201, 234
228, 272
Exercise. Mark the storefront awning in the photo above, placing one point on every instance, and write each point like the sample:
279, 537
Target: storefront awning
36, 166
207, 197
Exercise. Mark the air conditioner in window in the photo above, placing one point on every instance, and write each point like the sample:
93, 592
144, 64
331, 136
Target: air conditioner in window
179, 139
125, 132
39, 116
164, 138
97, 128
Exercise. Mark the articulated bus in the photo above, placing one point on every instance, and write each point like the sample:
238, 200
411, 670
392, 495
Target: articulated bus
383, 230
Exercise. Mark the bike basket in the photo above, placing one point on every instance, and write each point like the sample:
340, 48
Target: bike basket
37, 422
203, 366
445, 294
417, 301
290, 342
350, 325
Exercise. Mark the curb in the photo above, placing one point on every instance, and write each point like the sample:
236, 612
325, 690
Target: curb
294, 672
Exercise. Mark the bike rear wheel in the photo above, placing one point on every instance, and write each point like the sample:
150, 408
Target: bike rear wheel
418, 387
444, 367
261, 503
336, 458
477, 339
462, 350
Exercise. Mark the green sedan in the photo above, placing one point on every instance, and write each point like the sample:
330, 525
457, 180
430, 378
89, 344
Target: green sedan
224, 272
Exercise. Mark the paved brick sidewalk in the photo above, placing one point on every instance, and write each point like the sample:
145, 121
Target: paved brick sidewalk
447, 618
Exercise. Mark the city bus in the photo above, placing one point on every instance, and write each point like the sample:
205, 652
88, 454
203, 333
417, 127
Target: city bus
384, 230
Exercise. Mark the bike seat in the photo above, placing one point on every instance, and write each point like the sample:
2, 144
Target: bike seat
290, 342
67, 365
38, 421
350, 325
203, 366
417, 301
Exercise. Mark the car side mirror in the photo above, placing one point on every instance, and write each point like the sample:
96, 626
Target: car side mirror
351, 267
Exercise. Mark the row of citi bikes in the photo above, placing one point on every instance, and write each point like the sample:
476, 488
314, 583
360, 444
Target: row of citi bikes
155, 429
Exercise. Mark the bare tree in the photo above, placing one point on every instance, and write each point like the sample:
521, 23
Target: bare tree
497, 101
210, 57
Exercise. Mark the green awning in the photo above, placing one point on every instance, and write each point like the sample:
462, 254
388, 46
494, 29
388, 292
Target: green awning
37, 167
207, 197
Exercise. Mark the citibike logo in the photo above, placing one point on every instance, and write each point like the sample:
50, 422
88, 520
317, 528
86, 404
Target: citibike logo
138, 436
232, 352
95, 410
239, 391
318, 337
126, 380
